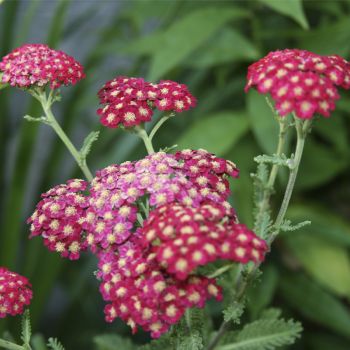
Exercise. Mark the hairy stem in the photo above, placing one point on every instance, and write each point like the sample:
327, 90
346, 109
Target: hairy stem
302, 128
10, 346
265, 202
46, 103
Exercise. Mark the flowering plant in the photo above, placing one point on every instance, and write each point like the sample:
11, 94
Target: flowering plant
162, 228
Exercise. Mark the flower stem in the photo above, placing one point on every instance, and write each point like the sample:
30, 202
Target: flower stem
159, 124
10, 346
141, 132
51, 120
264, 206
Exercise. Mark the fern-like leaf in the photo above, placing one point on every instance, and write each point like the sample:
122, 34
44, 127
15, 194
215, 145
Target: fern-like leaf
234, 312
265, 334
26, 331
193, 342
54, 344
89, 140
288, 226
274, 160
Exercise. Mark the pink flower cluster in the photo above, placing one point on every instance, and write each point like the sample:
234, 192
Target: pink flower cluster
141, 293
151, 223
38, 65
187, 237
300, 81
188, 178
58, 219
131, 101
15, 293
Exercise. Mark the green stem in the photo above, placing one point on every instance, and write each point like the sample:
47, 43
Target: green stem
141, 132
10, 346
264, 206
51, 120
302, 128
159, 124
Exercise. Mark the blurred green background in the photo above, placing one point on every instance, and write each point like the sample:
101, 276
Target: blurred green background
207, 45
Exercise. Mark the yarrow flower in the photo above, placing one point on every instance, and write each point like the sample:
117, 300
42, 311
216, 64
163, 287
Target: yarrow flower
187, 237
15, 293
188, 177
58, 219
300, 81
38, 65
141, 293
131, 101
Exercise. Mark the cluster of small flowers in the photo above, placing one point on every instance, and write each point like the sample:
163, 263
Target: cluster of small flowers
15, 293
187, 237
130, 101
300, 81
38, 65
164, 178
58, 219
143, 294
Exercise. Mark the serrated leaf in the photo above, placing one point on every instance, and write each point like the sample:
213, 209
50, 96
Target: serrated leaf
290, 8
234, 312
87, 144
274, 159
188, 34
54, 344
26, 331
193, 342
112, 342
265, 334
287, 225
217, 132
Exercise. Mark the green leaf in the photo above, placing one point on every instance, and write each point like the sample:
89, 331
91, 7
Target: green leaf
263, 123
38, 342
193, 342
186, 35
265, 334
228, 46
54, 344
271, 313
2, 85
314, 303
234, 312
287, 225
112, 342
325, 261
26, 331
216, 133
290, 8
87, 144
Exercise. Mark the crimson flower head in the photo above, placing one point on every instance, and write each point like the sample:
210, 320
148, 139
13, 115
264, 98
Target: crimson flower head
131, 101
58, 219
300, 81
15, 293
38, 65
187, 237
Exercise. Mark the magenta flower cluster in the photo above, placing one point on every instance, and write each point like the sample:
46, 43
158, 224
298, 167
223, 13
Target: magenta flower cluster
300, 81
38, 65
15, 293
151, 223
58, 219
131, 101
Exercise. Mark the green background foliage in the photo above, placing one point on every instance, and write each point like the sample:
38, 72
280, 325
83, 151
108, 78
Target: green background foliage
207, 45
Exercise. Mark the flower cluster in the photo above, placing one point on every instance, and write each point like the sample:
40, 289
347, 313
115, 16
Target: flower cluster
143, 294
58, 219
15, 293
131, 101
186, 237
188, 178
300, 81
38, 65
